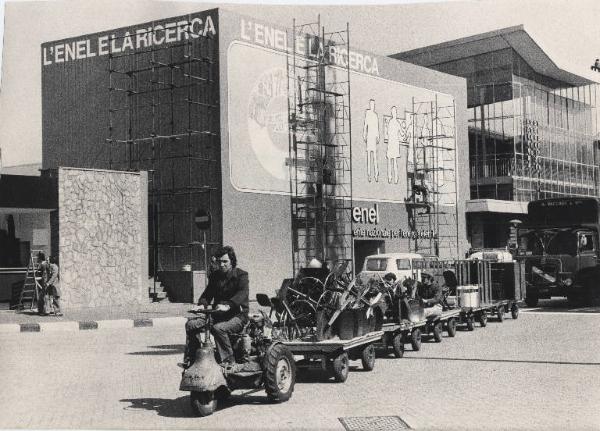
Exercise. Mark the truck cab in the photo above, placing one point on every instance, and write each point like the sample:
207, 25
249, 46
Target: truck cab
559, 261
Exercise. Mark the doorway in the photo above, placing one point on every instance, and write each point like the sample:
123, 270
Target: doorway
364, 248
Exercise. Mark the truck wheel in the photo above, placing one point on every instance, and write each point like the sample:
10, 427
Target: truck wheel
367, 357
483, 319
415, 339
501, 314
591, 294
451, 329
279, 373
470, 325
437, 332
514, 311
203, 403
575, 300
532, 301
398, 345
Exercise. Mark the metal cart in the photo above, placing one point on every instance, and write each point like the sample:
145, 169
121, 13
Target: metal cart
333, 355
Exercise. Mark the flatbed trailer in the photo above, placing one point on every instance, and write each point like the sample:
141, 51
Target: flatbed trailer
397, 334
500, 287
468, 315
333, 355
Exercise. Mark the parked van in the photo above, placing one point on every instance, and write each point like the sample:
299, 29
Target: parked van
400, 264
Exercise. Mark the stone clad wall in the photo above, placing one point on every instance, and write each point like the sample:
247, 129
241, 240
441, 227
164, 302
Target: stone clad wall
102, 237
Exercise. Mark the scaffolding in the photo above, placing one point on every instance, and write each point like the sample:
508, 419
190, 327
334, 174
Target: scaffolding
164, 119
432, 186
319, 146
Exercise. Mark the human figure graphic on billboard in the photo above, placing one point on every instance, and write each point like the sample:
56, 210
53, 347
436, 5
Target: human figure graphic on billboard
396, 138
371, 138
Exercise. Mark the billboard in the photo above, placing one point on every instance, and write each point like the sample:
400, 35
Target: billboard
389, 120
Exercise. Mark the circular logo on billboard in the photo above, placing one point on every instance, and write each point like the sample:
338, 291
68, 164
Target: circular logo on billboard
268, 122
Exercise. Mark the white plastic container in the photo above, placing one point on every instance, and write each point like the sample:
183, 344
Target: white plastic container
468, 296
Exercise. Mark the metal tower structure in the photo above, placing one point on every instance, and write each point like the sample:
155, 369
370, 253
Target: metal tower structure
164, 118
432, 186
319, 146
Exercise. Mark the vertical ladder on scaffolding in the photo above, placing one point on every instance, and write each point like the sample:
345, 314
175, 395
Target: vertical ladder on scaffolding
32, 283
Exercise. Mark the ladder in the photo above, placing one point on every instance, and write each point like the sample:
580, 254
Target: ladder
32, 285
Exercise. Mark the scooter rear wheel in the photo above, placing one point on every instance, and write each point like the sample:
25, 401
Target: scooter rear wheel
203, 403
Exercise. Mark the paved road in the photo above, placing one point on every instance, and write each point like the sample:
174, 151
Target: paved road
539, 372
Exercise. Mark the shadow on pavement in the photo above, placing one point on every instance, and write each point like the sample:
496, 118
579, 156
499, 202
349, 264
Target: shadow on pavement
558, 304
513, 361
164, 349
181, 407
177, 408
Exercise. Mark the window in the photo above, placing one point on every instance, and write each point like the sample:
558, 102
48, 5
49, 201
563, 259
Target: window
402, 264
586, 242
376, 264
564, 242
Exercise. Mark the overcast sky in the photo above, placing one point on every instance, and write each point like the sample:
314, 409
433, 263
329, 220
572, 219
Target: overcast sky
569, 32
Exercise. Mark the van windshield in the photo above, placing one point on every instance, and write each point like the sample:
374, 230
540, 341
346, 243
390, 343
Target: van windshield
377, 264
402, 264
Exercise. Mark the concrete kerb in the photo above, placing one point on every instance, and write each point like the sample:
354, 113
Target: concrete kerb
88, 325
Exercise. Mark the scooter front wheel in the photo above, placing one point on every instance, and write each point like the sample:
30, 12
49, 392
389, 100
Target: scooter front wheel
203, 403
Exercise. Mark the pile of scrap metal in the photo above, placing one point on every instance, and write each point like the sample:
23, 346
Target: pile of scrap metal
313, 306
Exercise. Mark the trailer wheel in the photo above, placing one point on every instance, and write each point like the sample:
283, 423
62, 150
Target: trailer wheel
367, 357
415, 339
451, 327
398, 345
437, 332
514, 311
483, 319
501, 314
470, 325
339, 367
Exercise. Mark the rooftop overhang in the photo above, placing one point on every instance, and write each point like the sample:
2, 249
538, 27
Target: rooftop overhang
511, 37
26, 193
495, 206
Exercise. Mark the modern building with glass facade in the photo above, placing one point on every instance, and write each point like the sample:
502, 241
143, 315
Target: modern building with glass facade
533, 127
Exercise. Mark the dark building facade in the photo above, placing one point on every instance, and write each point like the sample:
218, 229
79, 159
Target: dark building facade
532, 126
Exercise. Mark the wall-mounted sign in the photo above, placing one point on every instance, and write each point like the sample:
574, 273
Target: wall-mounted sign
366, 215
142, 37
392, 233
202, 219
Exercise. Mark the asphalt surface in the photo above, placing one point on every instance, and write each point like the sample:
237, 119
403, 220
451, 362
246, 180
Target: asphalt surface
538, 372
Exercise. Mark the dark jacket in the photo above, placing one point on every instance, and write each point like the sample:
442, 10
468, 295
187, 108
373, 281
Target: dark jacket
431, 294
231, 289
